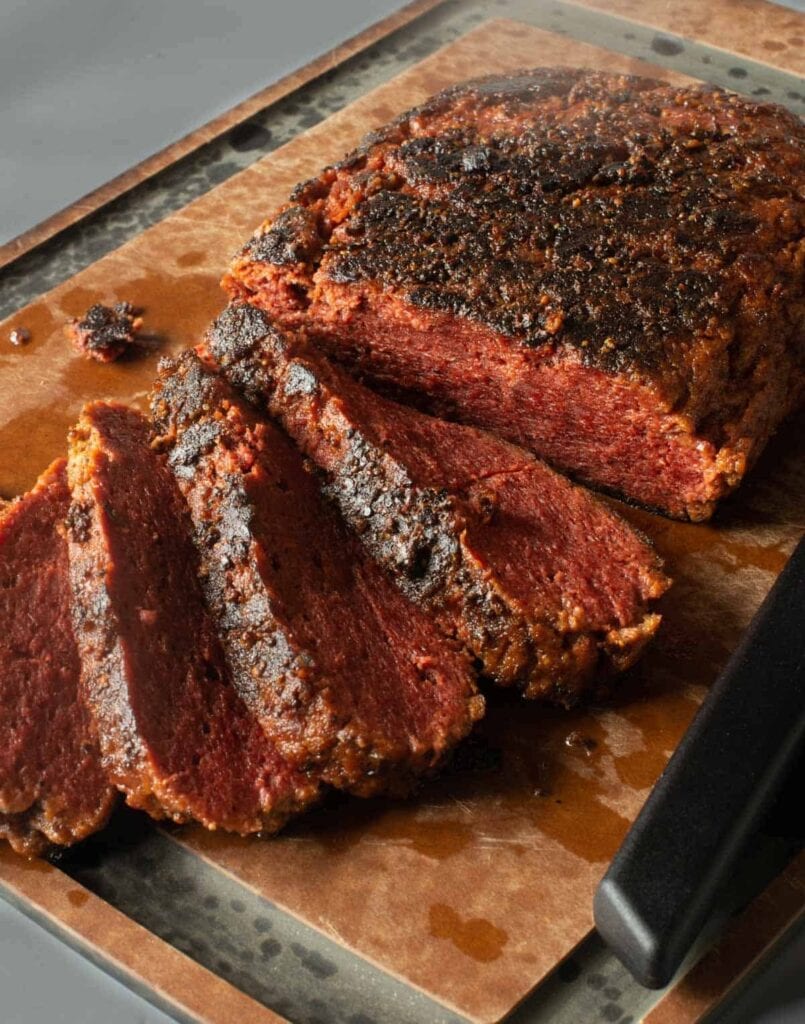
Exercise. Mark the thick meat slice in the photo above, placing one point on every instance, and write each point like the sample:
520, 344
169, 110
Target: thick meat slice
605, 269
177, 739
52, 786
546, 586
347, 676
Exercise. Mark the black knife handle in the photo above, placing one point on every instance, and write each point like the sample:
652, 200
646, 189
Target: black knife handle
660, 888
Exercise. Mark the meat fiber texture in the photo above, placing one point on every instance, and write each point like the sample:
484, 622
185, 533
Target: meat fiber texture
175, 736
605, 269
351, 681
548, 588
53, 789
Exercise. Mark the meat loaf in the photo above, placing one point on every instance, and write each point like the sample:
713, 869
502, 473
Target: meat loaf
348, 677
605, 269
176, 738
53, 789
547, 587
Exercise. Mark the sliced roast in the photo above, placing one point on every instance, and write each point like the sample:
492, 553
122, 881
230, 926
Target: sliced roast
347, 676
53, 789
175, 736
546, 586
603, 268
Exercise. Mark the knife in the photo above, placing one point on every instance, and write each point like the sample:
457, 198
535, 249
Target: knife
663, 882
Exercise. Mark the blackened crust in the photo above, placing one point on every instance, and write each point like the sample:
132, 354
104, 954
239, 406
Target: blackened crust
611, 215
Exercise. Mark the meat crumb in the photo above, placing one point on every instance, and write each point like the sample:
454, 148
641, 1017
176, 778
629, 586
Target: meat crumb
19, 336
105, 332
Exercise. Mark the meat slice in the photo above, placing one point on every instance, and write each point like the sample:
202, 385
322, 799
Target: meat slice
53, 789
175, 736
545, 585
605, 269
347, 676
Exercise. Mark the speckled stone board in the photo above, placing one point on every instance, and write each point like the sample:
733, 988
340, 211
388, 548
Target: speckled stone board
470, 895
750, 28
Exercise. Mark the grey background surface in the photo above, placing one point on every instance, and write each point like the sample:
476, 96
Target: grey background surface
88, 88
41, 981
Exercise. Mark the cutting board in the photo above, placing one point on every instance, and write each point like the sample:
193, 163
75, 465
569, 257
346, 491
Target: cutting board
477, 888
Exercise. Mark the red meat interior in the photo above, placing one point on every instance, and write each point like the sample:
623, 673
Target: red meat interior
580, 419
556, 551
49, 762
